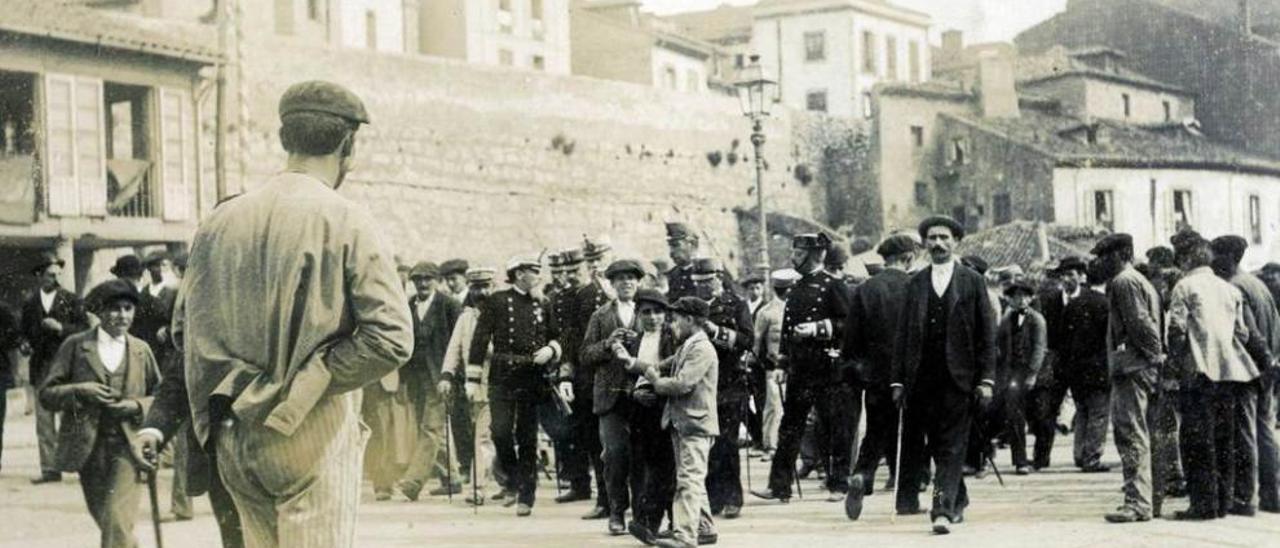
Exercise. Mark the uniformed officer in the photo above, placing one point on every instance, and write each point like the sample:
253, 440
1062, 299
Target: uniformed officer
580, 298
515, 322
729, 327
682, 243
563, 305
812, 326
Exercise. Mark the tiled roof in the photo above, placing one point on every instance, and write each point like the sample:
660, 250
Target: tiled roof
1015, 243
1058, 62
109, 29
715, 24
1118, 145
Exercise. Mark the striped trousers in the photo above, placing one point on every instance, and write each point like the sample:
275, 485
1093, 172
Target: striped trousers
299, 491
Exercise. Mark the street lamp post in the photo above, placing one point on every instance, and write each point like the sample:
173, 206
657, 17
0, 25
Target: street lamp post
754, 92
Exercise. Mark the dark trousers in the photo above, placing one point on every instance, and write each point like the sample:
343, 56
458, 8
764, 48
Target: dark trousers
881, 440
938, 416
724, 483
462, 428
224, 508
1208, 445
838, 407
1245, 413
1045, 402
111, 490
653, 465
515, 438
1015, 416
583, 455
1268, 446
755, 419
1093, 415
985, 426
4, 407
621, 464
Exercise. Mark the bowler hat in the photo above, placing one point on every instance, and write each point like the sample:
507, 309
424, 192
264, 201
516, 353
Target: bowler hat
1020, 285
424, 269
957, 231
108, 292
624, 266
897, 245
127, 266
323, 97
454, 266
1161, 255
1113, 243
46, 260
691, 306
705, 268
1072, 263
652, 296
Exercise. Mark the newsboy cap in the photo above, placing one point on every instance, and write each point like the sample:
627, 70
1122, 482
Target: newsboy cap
323, 97
652, 296
957, 231
812, 240
691, 306
1230, 246
108, 292
454, 266
705, 268
424, 269
624, 266
897, 245
1113, 243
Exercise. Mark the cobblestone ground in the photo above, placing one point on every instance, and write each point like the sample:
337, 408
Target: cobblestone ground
1058, 507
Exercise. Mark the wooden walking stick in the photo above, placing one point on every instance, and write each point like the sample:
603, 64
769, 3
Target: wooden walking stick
897, 461
155, 506
448, 451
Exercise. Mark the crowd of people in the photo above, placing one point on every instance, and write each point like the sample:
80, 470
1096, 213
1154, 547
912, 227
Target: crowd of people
628, 382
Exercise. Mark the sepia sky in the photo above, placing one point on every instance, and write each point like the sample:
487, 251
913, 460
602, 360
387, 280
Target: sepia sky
981, 20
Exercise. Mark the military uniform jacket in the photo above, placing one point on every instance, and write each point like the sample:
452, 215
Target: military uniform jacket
734, 334
680, 282
586, 301
517, 325
817, 297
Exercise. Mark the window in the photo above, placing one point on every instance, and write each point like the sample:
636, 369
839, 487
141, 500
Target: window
284, 17
816, 101
371, 29
1168, 111
868, 52
959, 152
739, 61
815, 46
891, 61
669, 77
1127, 107
1104, 209
1183, 215
538, 62
1002, 208
922, 194
692, 80
867, 111
313, 10
917, 136
913, 61
535, 10
1255, 219
506, 58
504, 16
128, 149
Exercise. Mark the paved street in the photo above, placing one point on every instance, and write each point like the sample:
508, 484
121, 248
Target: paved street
1055, 508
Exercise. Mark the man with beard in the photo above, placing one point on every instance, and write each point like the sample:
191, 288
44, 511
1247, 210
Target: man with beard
812, 331
870, 337
729, 327
1135, 352
945, 359
1256, 450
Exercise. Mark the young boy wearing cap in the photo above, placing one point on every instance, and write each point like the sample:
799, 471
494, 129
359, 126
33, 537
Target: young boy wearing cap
1022, 343
102, 380
690, 414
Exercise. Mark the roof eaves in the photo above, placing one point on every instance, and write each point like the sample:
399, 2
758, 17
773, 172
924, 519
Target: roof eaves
1001, 135
1133, 80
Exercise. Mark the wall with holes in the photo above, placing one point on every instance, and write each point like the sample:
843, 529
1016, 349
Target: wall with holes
483, 162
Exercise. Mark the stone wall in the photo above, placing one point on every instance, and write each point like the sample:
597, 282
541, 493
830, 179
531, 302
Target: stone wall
486, 162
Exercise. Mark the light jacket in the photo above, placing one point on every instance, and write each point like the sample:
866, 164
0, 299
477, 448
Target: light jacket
1207, 329
691, 388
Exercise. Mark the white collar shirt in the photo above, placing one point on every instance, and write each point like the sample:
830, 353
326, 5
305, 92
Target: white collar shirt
46, 299
941, 275
626, 313
111, 350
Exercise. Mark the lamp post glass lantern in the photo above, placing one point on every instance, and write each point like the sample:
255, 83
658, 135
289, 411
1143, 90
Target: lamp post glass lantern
755, 93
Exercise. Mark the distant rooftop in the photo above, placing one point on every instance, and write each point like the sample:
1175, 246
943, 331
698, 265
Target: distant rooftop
1060, 62
716, 24
110, 29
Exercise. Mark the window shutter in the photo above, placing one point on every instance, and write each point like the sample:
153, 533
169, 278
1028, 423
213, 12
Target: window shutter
177, 153
91, 158
60, 145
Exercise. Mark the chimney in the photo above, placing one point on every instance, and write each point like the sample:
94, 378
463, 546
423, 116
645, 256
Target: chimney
952, 43
1246, 18
996, 91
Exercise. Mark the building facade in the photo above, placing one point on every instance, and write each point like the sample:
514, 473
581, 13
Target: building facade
525, 34
614, 40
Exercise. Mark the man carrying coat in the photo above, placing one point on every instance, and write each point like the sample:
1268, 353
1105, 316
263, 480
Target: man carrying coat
946, 358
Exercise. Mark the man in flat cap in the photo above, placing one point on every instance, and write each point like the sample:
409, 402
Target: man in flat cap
812, 332
1135, 352
1257, 409
729, 327
49, 316
1209, 337
524, 353
434, 317
1023, 343
870, 337
330, 317
945, 358
768, 350
453, 273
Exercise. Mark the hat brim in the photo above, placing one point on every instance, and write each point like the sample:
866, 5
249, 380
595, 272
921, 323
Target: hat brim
38, 268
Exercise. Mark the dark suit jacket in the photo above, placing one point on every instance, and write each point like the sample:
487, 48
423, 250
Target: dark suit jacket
971, 330
734, 336
1083, 364
68, 310
10, 338
871, 329
170, 410
152, 314
1022, 348
78, 361
431, 337
610, 379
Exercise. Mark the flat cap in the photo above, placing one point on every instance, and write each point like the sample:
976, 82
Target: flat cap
594, 249
784, 278
652, 296
1161, 255
424, 269
897, 245
1231, 246
812, 240
680, 231
1021, 285
1112, 243
323, 97
836, 257
155, 257
127, 266
691, 306
624, 266
454, 266
521, 262
705, 268
108, 292
477, 276
957, 231
1072, 263
1186, 239
975, 262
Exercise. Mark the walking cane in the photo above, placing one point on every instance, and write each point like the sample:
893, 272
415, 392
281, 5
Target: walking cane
448, 450
155, 506
897, 462
748, 460
475, 466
